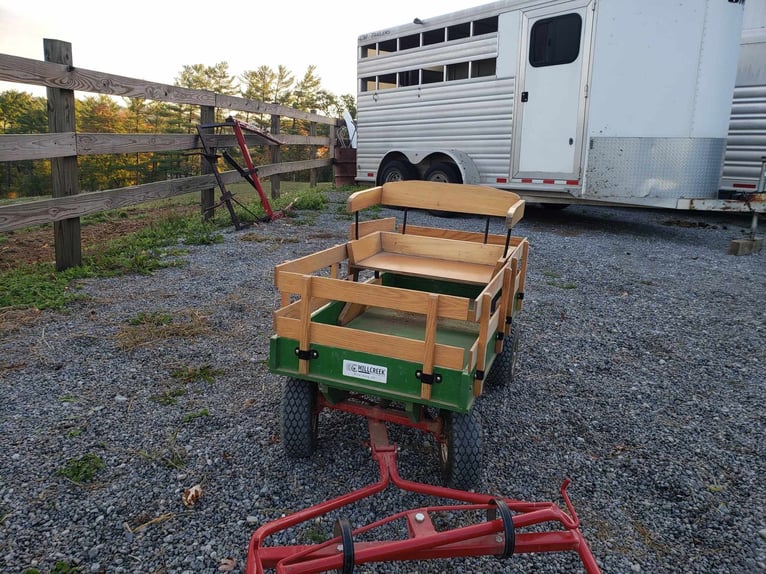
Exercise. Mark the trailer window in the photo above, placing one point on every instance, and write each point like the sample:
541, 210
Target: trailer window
481, 68
433, 36
386, 47
459, 31
409, 78
409, 42
368, 84
369, 51
386, 81
555, 41
457, 71
485, 26
432, 75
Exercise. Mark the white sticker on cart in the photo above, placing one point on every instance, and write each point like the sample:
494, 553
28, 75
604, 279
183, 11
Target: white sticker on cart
365, 371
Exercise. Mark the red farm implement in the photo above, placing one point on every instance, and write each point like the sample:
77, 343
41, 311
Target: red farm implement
208, 133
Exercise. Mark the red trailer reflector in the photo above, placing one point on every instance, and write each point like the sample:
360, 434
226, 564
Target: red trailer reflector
526, 180
573, 182
744, 185
549, 181
501, 180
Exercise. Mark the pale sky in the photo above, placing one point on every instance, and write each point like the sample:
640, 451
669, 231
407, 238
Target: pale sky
154, 40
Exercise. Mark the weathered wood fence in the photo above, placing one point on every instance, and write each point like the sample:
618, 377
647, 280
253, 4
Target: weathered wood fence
63, 145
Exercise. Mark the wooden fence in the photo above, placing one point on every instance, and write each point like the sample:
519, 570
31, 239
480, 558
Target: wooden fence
63, 145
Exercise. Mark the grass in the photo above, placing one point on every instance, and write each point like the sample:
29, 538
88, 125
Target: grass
191, 374
81, 470
157, 326
40, 286
168, 397
189, 417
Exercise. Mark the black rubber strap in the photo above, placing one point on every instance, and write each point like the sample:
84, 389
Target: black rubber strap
306, 355
509, 530
342, 528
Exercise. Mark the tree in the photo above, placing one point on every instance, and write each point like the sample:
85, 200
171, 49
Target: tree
23, 113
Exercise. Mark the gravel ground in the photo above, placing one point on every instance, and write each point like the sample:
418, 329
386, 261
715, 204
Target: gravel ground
640, 376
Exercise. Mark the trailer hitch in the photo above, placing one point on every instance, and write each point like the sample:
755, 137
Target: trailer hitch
498, 534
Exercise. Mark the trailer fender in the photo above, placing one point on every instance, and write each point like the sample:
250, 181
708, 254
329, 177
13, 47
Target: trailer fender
423, 159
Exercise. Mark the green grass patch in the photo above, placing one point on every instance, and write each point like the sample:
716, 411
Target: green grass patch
561, 285
189, 417
153, 318
168, 397
191, 374
81, 470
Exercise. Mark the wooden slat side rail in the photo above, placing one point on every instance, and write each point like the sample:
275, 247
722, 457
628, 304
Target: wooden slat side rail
410, 301
505, 304
411, 350
305, 320
481, 360
367, 246
313, 262
523, 272
474, 236
367, 227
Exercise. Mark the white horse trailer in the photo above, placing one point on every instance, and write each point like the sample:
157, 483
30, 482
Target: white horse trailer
746, 145
564, 101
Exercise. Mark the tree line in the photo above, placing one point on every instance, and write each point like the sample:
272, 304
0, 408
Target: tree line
24, 113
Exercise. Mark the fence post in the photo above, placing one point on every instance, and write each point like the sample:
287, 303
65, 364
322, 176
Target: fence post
64, 170
313, 153
207, 196
275, 157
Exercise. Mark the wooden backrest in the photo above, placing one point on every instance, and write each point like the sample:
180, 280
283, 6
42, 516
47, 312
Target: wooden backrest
452, 197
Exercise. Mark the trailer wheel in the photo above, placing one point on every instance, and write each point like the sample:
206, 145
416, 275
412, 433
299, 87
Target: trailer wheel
460, 455
504, 367
444, 172
398, 170
300, 418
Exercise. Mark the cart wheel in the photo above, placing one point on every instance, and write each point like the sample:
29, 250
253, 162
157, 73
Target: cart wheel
300, 417
460, 454
504, 367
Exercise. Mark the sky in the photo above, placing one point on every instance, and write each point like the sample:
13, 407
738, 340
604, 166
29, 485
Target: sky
154, 40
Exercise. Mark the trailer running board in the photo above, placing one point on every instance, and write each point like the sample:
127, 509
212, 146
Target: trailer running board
249, 172
498, 534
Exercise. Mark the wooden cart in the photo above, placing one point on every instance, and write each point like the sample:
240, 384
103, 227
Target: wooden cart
403, 323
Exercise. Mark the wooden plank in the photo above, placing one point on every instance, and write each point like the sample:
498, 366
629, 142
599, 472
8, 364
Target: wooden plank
450, 306
442, 249
364, 199
484, 330
429, 343
391, 346
25, 214
18, 147
304, 340
367, 227
429, 268
360, 249
311, 263
458, 198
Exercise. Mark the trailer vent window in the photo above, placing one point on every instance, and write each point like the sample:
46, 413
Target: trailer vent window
387, 47
433, 36
368, 84
386, 81
409, 78
555, 41
481, 68
369, 51
432, 75
457, 71
409, 42
459, 31
485, 26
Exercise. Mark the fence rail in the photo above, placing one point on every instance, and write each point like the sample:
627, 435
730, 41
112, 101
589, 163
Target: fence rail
63, 145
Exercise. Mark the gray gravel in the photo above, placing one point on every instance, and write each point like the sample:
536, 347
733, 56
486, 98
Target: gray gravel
641, 377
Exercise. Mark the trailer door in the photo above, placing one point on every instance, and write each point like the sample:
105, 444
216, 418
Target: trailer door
550, 100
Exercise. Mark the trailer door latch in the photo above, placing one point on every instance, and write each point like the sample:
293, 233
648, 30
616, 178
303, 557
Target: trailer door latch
524, 96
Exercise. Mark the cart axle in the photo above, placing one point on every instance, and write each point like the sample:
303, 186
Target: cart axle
497, 536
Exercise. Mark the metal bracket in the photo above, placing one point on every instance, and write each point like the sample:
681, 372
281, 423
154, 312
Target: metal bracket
306, 355
428, 379
479, 375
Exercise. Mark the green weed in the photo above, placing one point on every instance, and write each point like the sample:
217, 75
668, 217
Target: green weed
561, 285
81, 470
190, 374
153, 318
169, 397
189, 417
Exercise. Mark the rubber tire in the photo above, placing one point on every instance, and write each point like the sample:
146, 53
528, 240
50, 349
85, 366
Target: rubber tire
444, 172
397, 170
504, 368
460, 458
300, 418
